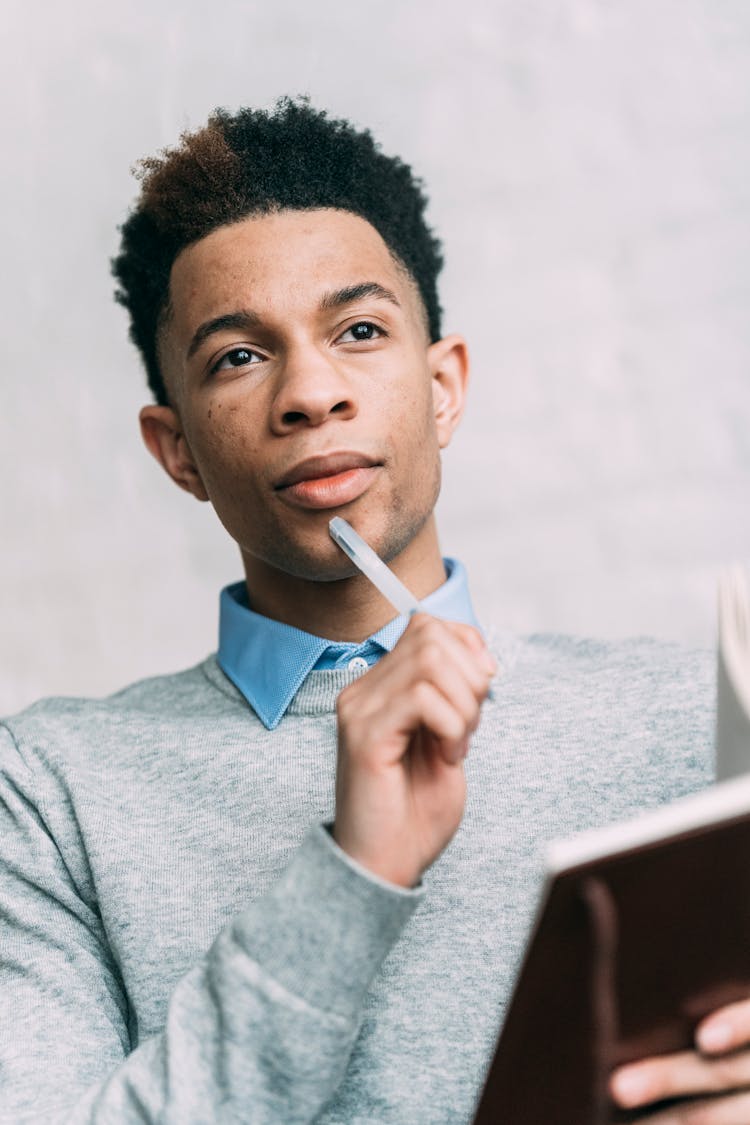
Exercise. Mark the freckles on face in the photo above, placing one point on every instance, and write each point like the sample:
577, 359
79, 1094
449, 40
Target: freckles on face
224, 441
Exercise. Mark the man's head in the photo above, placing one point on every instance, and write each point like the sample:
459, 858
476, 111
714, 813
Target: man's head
282, 288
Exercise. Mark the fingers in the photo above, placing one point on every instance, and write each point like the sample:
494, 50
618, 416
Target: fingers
436, 678
403, 731
731, 1110
725, 1029
430, 692
679, 1075
461, 643
447, 725
710, 1069
470, 637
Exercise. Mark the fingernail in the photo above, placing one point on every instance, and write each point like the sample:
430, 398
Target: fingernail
629, 1087
715, 1037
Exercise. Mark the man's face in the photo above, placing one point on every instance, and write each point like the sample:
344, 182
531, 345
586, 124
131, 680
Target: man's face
298, 362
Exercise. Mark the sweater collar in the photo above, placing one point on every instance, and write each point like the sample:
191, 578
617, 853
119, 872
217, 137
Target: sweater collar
268, 661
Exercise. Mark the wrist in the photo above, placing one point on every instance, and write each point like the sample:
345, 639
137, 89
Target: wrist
387, 868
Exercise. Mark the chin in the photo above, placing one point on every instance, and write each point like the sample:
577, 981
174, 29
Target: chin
323, 561
311, 569
318, 561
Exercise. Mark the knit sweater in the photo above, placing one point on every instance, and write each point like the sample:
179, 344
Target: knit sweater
181, 939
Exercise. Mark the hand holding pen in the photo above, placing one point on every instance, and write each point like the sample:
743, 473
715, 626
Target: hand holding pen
404, 731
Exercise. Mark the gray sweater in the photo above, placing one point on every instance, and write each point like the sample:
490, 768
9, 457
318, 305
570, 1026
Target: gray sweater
182, 941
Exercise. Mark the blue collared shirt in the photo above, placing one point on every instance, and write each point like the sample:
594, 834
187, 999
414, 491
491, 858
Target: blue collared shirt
268, 661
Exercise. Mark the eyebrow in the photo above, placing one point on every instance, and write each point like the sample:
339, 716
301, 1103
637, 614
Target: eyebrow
242, 319
352, 293
245, 320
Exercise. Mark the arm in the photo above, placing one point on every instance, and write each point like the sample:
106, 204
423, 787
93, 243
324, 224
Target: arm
265, 1021
262, 1028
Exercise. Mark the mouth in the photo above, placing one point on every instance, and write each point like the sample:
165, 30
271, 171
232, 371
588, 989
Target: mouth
329, 481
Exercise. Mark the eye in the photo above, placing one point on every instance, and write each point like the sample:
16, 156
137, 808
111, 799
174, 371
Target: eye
361, 331
237, 357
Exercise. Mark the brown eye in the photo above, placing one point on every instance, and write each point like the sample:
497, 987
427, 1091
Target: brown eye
362, 331
237, 357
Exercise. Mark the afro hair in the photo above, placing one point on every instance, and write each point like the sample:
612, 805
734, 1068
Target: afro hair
255, 162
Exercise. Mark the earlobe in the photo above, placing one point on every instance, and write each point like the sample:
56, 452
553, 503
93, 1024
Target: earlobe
162, 435
449, 364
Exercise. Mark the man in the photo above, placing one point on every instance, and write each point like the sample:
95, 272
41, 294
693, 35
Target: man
294, 883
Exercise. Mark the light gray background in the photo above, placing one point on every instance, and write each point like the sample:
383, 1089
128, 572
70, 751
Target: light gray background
588, 164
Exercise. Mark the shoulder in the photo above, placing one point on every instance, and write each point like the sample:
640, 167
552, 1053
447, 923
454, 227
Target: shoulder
632, 664
639, 711
64, 727
641, 679
660, 681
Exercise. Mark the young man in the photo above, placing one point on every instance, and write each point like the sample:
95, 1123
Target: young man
294, 883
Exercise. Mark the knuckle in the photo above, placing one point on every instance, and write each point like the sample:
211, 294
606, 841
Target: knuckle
430, 658
456, 728
469, 710
419, 622
346, 700
350, 709
345, 695
470, 634
431, 626
480, 687
454, 725
423, 695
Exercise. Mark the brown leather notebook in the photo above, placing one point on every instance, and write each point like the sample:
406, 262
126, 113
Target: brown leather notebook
643, 929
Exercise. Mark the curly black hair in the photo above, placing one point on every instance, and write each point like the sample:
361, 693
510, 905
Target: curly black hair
252, 162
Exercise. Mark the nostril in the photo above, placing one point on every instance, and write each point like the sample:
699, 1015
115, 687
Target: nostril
293, 416
338, 408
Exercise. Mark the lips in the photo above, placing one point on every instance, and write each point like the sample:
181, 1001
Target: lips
328, 482
317, 468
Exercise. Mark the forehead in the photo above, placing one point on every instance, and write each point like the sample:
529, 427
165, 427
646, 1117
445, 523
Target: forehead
280, 262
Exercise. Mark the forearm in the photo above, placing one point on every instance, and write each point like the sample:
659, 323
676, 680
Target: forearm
262, 1028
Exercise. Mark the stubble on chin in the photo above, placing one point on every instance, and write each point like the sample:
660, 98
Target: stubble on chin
323, 561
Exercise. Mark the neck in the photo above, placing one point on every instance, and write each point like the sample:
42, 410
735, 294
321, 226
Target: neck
350, 609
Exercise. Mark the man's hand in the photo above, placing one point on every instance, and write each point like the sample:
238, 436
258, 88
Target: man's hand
404, 732
718, 1066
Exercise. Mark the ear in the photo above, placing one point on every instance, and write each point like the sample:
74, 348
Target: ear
448, 361
162, 434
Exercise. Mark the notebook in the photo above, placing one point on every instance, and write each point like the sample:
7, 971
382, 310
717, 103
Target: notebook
642, 929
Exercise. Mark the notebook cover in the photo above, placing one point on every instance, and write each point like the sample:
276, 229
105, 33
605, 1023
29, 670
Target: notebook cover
629, 954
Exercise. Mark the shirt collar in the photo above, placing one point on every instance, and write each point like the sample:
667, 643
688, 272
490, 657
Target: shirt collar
268, 661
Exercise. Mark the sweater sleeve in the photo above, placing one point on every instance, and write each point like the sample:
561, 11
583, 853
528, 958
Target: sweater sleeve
260, 1030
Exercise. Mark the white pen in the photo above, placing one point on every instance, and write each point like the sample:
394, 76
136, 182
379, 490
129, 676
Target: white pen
373, 567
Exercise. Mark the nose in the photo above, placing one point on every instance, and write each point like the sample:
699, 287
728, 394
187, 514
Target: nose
312, 388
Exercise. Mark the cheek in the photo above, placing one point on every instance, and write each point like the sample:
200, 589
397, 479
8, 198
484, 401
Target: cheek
415, 421
223, 446
415, 446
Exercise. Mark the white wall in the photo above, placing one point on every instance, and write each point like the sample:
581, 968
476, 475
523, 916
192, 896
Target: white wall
589, 169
